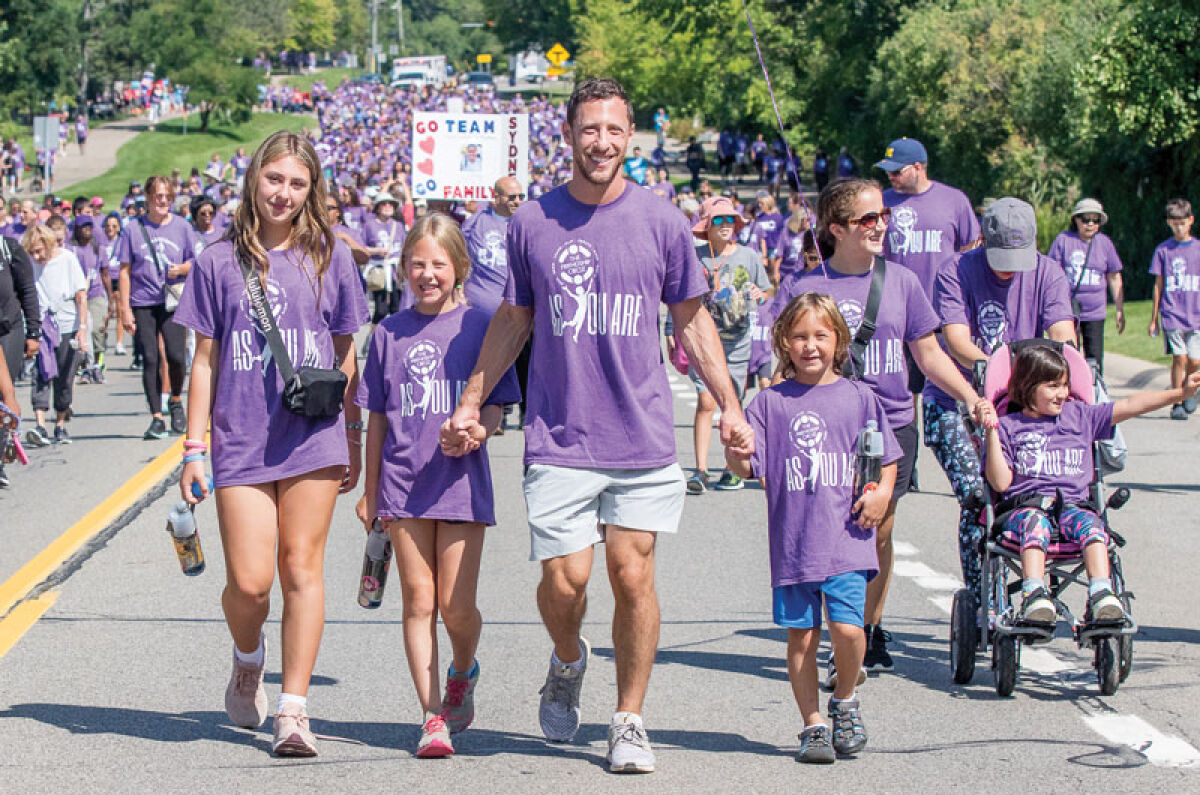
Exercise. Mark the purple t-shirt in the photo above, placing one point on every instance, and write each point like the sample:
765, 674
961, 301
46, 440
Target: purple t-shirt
1088, 284
387, 234
415, 371
928, 229
254, 438
176, 242
905, 314
970, 293
766, 228
485, 232
1179, 265
1048, 454
804, 445
790, 250
594, 277
90, 258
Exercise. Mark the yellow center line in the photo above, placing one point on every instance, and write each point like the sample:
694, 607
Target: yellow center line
18, 586
25, 615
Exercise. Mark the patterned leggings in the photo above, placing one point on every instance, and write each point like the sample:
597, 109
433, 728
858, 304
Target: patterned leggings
1032, 527
946, 435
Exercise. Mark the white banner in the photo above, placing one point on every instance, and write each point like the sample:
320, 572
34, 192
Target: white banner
459, 156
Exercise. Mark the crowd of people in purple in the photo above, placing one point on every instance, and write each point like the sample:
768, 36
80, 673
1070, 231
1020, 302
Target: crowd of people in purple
550, 297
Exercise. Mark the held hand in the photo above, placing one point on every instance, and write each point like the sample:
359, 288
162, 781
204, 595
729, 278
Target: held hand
871, 507
985, 414
1120, 321
174, 271
736, 434
1190, 385
192, 475
455, 438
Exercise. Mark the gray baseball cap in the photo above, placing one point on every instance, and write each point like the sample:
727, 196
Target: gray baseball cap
1010, 235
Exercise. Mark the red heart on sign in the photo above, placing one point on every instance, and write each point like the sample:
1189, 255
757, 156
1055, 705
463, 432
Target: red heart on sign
425, 167
427, 145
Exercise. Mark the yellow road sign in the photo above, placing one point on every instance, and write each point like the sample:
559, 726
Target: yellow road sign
557, 55
483, 57
555, 71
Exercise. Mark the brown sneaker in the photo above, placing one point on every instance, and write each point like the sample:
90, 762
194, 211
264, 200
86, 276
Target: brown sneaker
292, 736
245, 698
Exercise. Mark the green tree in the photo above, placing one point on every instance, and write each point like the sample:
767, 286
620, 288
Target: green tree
312, 24
521, 23
38, 50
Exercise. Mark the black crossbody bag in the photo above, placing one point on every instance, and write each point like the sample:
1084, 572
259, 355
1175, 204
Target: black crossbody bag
309, 391
855, 364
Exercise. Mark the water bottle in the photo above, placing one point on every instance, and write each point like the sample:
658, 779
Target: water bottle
376, 560
868, 459
181, 524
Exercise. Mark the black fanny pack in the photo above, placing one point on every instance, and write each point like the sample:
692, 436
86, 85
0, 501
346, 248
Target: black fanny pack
309, 391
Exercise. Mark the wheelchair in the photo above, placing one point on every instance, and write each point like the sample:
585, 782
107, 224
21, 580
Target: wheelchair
990, 619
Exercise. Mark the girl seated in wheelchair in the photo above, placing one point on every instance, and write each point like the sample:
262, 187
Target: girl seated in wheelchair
1043, 449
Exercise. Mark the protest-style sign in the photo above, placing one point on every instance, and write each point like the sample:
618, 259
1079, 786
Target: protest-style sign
459, 156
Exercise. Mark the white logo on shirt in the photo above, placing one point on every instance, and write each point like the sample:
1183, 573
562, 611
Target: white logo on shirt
852, 313
1029, 449
813, 466
807, 430
1179, 279
242, 347
905, 238
491, 254
617, 314
421, 361
992, 324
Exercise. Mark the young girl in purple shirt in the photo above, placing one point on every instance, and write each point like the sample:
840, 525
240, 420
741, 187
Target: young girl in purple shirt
434, 506
1045, 450
277, 473
822, 541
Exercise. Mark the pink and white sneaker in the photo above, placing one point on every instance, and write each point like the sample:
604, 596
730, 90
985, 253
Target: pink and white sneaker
435, 739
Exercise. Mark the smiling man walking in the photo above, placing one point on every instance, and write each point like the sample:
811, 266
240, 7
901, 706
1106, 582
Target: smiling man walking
589, 264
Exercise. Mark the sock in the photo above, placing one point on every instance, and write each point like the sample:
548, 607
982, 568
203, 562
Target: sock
808, 728
251, 658
1097, 584
162, 401
626, 717
576, 665
852, 697
473, 672
1030, 584
288, 698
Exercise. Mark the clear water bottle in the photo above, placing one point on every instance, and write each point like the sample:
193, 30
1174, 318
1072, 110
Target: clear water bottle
376, 560
181, 524
868, 459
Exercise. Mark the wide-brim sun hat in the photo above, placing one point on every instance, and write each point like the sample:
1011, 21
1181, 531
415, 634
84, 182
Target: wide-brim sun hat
1085, 206
383, 197
711, 208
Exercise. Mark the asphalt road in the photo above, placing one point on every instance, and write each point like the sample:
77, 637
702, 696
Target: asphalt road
119, 686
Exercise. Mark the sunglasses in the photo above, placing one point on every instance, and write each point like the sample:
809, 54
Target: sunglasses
899, 171
871, 220
718, 220
1089, 219
510, 196
812, 257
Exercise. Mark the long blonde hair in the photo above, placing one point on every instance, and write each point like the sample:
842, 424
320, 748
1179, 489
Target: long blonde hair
311, 233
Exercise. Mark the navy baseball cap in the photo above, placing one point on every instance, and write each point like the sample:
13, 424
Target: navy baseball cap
902, 152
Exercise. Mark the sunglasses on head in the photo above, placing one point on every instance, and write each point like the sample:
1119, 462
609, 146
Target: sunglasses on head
718, 220
871, 220
1089, 219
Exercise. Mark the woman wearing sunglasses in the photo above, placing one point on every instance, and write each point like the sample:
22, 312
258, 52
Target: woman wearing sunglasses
738, 286
1090, 261
851, 224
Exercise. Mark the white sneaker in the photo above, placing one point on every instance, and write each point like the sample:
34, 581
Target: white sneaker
629, 748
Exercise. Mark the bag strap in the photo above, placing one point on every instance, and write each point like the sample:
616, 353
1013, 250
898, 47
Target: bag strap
266, 319
866, 329
153, 249
1083, 268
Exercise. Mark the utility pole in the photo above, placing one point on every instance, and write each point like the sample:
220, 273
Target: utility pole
400, 23
374, 60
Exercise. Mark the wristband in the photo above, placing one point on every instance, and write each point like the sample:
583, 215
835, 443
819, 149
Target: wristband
870, 487
193, 458
355, 426
194, 444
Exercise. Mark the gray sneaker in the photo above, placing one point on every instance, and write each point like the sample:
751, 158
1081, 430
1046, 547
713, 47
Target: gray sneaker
458, 705
559, 710
1189, 405
815, 748
831, 674
849, 736
629, 748
1178, 412
245, 698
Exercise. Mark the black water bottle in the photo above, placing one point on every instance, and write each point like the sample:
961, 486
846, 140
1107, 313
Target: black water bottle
868, 459
376, 560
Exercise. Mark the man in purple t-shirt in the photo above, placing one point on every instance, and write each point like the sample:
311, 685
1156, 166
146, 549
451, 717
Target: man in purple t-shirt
931, 221
589, 264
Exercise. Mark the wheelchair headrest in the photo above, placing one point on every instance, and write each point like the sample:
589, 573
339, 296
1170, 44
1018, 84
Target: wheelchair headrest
999, 371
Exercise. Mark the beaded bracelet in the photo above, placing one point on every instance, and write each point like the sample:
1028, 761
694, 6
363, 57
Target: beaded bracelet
193, 458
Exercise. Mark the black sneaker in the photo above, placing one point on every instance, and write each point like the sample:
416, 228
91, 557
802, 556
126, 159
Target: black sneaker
877, 658
3, 478
157, 430
135, 363
60, 435
37, 436
178, 418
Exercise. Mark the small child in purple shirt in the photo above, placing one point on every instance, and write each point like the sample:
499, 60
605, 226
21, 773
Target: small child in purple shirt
1045, 450
434, 506
822, 539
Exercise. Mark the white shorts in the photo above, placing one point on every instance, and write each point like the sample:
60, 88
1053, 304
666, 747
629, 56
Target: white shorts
568, 507
1180, 343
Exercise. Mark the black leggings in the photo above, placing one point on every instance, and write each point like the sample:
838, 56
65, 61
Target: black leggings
1091, 332
153, 321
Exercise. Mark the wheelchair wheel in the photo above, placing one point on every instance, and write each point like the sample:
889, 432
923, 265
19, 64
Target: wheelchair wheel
964, 636
1124, 656
1005, 659
1107, 665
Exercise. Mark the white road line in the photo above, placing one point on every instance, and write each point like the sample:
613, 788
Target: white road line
943, 603
926, 577
1165, 750
904, 549
1043, 662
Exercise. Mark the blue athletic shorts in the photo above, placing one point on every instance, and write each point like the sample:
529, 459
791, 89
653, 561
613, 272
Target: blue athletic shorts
799, 605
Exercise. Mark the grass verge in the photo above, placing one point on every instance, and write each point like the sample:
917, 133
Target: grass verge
331, 77
168, 147
1135, 341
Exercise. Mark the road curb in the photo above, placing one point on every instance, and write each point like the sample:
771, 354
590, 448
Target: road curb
1126, 372
66, 553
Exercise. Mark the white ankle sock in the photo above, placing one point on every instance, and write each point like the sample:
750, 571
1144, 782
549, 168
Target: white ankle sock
288, 698
250, 658
626, 717
850, 697
576, 665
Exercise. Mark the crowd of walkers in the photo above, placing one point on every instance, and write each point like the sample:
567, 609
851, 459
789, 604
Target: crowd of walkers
549, 298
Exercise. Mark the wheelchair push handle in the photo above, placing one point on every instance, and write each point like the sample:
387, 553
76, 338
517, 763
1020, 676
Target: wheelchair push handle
978, 375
